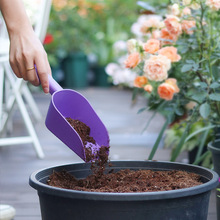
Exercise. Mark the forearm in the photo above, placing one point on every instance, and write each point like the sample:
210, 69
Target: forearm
15, 16
26, 50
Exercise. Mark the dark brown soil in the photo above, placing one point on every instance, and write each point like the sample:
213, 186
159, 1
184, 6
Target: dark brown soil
101, 156
82, 129
127, 181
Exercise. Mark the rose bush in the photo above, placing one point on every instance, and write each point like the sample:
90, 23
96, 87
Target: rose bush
176, 60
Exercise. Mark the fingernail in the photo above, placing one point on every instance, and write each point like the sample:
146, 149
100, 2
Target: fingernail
46, 90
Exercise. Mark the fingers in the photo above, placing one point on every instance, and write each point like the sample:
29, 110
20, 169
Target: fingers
23, 66
25, 54
43, 69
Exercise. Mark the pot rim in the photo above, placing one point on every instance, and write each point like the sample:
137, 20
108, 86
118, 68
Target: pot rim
37, 176
212, 148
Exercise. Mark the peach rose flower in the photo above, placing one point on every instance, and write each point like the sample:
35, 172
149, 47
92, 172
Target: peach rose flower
186, 11
140, 81
152, 46
213, 4
167, 89
187, 25
175, 10
156, 67
173, 82
173, 25
148, 88
156, 34
166, 35
170, 53
133, 60
153, 22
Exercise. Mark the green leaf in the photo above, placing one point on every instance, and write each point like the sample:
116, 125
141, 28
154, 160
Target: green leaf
179, 147
141, 110
204, 110
214, 85
203, 85
190, 61
215, 96
186, 68
201, 158
184, 49
195, 67
199, 131
156, 145
179, 111
202, 144
199, 96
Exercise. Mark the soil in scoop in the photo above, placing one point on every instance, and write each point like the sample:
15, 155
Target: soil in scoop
127, 181
121, 181
84, 132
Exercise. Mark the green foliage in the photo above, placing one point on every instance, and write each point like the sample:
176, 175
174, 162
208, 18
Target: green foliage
197, 74
199, 140
90, 26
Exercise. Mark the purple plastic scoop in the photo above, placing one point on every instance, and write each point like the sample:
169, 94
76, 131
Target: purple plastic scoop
69, 103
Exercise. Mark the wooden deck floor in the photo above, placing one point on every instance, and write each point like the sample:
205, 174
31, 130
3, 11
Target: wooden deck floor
124, 125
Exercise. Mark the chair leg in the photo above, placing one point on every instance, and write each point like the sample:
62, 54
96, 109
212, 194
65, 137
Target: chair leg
23, 110
9, 105
1, 94
29, 125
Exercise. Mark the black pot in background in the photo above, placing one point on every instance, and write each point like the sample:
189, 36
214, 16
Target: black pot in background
218, 204
100, 77
214, 147
75, 67
183, 204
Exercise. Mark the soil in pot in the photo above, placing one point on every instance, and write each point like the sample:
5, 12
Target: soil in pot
127, 181
123, 180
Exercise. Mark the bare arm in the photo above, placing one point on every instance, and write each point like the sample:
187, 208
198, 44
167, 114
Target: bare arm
26, 49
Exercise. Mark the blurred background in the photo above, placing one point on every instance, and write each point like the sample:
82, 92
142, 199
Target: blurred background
84, 36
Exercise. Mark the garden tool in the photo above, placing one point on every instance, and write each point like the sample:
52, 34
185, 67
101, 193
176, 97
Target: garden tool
69, 103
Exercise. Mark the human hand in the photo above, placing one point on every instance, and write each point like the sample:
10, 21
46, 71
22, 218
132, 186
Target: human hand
26, 52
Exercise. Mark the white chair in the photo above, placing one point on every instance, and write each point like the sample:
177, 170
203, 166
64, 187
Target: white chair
14, 90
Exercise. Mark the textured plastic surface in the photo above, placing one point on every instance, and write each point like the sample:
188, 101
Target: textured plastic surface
69, 103
183, 204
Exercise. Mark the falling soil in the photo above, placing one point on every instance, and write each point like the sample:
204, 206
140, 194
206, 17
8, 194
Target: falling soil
101, 156
121, 181
127, 181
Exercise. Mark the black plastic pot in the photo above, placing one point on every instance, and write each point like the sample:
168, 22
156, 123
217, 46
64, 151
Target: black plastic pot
62, 204
214, 147
75, 68
218, 204
101, 77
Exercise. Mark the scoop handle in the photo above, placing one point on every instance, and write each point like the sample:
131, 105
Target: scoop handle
53, 85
